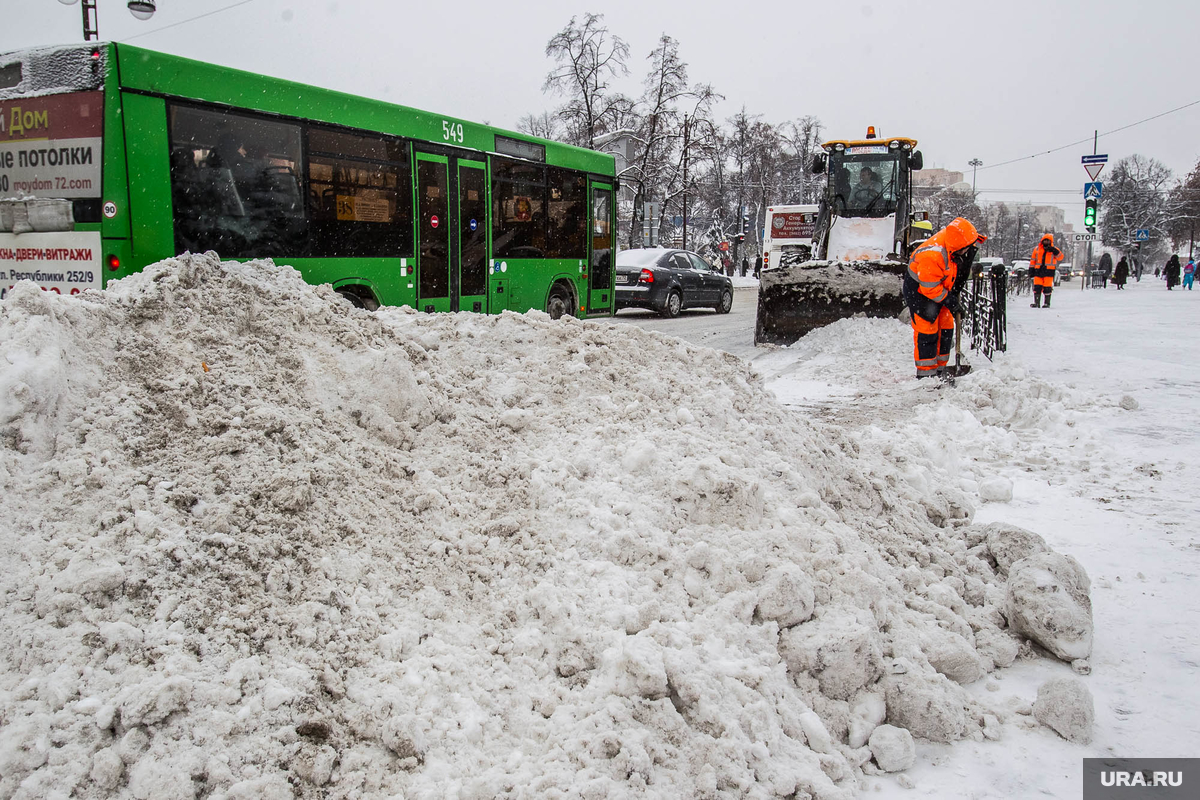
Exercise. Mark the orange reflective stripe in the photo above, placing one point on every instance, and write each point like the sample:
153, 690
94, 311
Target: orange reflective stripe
916, 277
915, 270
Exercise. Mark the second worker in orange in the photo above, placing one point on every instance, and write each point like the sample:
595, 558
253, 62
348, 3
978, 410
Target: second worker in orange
1043, 264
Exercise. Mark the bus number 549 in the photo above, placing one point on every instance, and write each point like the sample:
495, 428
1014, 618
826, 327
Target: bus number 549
452, 131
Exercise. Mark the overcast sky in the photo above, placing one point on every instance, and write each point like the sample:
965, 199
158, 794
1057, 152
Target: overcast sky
987, 79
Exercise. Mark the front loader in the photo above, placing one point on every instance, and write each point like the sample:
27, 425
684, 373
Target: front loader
864, 237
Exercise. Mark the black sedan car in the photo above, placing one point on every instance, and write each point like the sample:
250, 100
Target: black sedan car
668, 281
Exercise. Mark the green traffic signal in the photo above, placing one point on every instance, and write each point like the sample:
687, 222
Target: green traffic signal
1089, 213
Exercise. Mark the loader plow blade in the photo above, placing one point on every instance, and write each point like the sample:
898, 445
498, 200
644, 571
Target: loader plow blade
794, 300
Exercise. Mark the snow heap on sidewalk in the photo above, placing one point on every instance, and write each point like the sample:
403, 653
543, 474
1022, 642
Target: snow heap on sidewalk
257, 542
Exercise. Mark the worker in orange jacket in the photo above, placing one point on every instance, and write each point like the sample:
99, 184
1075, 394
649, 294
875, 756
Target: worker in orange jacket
1042, 266
932, 296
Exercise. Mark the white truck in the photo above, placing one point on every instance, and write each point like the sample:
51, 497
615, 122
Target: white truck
788, 234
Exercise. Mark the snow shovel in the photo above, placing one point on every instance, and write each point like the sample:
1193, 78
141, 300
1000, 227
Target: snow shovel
960, 367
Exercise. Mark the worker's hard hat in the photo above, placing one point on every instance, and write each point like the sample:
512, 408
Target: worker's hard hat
964, 232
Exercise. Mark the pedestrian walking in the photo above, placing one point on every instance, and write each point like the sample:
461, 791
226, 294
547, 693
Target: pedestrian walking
1189, 274
1121, 274
1158, 272
1042, 266
758, 259
1172, 271
931, 292
745, 265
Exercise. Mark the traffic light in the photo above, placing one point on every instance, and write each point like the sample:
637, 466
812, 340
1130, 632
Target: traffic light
745, 220
1089, 214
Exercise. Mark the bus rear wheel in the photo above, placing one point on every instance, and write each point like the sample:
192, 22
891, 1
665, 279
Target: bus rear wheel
359, 297
560, 303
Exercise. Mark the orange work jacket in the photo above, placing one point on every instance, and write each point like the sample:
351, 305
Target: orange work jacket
1043, 263
931, 265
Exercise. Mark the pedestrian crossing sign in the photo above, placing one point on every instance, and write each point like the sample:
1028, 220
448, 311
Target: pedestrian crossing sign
1092, 191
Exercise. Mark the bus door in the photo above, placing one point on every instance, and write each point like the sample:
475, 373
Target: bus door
472, 236
600, 255
434, 238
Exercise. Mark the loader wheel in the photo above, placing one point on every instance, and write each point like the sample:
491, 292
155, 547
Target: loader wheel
673, 306
726, 304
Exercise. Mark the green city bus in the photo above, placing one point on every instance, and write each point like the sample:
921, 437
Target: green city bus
113, 157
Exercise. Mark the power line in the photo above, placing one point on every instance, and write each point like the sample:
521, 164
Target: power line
1085, 141
185, 21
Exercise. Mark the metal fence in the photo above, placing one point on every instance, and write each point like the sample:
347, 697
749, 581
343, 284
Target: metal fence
1019, 285
985, 311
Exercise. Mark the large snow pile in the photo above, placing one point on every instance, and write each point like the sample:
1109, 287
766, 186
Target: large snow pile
259, 544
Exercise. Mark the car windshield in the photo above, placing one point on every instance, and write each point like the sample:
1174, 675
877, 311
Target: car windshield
865, 184
639, 258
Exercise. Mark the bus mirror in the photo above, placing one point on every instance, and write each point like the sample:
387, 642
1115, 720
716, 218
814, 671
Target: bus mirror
916, 160
818, 164
616, 186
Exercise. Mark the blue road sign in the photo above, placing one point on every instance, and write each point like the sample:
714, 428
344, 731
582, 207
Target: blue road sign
677, 221
1142, 235
1093, 190
1100, 159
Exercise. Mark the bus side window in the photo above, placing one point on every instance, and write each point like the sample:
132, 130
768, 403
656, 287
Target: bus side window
566, 229
359, 195
235, 184
518, 209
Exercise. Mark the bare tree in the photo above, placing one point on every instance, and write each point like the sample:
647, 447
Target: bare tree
587, 57
767, 158
700, 140
1009, 229
741, 147
949, 204
544, 125
803, 139
995, 221
698, 169
656, 170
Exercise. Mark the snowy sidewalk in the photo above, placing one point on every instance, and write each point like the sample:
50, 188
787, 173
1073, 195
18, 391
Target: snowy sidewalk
1114, 487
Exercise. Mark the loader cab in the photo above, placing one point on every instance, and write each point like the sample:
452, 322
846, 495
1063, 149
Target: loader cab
868, 179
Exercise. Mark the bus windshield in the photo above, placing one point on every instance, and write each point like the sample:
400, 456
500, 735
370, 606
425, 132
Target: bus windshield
864, 185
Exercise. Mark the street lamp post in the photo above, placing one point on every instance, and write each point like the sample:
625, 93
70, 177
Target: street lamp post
142, 9
975, 164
